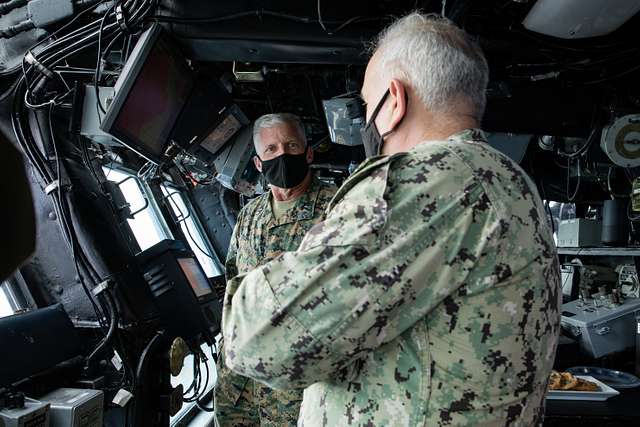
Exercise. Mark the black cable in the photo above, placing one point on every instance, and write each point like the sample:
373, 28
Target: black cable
195, 383
113, 314
575, 192
45, 57
260, 13
553, 225
320, 19
67, 25
77, 34
10, 90
144, 356
590, 140
192, 386
606, 79
83, 143
186, 225
125, 359
24, 139
67, 225
96, 78
10, 5
142, 365
204, 391
45, 173
230, 17
87, 36
12, 30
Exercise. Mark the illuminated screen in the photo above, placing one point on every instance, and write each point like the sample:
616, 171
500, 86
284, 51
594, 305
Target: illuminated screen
198, 281
154, 101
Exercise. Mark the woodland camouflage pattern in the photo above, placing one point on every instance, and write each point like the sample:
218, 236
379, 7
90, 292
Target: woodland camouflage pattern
258, 238
428, 297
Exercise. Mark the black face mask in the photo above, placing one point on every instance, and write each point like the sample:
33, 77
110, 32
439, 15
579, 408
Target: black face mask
371, 138
286, 170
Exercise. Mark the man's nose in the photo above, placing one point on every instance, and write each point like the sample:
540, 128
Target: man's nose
280, 149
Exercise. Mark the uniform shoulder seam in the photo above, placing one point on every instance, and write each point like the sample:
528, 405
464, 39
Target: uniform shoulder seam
478, 182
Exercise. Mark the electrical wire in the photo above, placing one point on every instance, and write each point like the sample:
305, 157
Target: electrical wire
582, 150
56, 52
65, 224
606, 79
113, 323
85, 37
96, 79
186, 225
575, 192
611, 192
7, 7
198, 388
261, 13
141, 369
320, 19
196, 382
592, 58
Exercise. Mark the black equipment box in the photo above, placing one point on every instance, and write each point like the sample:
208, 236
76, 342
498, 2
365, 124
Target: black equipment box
186, 301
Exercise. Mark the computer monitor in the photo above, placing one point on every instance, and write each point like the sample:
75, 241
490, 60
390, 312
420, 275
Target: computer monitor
150, 94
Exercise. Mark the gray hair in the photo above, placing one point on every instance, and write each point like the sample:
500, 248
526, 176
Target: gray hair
440, 61
270, 120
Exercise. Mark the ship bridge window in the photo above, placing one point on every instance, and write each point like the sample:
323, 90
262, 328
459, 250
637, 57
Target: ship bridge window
193, 230
147, 224
15, 297
5, 305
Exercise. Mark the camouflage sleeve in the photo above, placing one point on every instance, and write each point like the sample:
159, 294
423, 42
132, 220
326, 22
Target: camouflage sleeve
357, 281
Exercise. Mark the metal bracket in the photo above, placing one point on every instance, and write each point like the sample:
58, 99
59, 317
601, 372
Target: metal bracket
144, 195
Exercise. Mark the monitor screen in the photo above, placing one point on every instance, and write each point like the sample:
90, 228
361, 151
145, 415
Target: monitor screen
194, 274
150, 94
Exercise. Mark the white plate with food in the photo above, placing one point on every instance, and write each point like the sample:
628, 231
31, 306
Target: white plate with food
579, 387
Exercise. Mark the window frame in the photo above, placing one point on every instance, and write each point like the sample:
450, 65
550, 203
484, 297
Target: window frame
15, 291
168, 190
157, 218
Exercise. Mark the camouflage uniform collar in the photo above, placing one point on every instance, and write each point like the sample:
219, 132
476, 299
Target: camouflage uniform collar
302, 210
473, 134
466, 135
371, 163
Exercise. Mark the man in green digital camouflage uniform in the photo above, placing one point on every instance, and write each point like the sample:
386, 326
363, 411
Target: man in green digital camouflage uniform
429, 295
269, 225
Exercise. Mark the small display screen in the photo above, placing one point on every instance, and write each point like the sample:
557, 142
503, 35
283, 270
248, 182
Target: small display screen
198, 281
221, 134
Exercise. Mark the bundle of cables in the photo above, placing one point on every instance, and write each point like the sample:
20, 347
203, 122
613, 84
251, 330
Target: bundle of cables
39, 90
198, 389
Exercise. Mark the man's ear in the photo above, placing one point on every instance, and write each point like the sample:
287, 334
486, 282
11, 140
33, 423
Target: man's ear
258, 163
398, 102
309, 155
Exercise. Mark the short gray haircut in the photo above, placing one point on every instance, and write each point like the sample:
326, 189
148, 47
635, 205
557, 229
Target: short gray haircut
439, 60
270, 120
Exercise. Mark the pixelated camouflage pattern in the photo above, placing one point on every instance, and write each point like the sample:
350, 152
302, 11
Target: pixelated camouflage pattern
429, 296
258, 238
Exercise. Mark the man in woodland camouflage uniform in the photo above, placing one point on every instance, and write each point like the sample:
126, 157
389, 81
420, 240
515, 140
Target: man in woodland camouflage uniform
430, 293
273, 223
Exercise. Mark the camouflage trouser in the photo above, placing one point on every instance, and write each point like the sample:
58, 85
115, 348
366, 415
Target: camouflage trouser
242, 402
